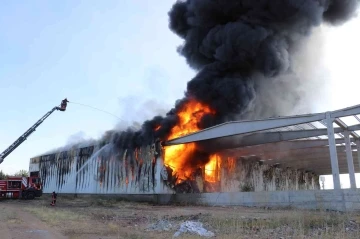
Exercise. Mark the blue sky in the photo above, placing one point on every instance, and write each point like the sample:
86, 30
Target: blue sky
119, 56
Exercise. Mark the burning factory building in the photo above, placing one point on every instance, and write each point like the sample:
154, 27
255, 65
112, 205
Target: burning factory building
146, 170
245, 53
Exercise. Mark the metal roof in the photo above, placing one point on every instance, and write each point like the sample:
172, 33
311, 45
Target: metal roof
299, 141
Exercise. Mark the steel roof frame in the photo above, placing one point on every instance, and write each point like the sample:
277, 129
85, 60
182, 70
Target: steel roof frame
293, 132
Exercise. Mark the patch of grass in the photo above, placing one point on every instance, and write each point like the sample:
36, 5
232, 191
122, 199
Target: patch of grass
75, 222
85, 218
54, 216
131, 236
113, 227
290, 223
105, 202
8, 216
14, 220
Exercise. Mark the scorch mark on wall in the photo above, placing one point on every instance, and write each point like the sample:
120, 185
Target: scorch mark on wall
105, 170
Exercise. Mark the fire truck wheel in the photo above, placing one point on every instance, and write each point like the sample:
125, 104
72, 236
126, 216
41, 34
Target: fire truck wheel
30, 195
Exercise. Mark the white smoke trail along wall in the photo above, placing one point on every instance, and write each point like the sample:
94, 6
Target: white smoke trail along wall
105, 170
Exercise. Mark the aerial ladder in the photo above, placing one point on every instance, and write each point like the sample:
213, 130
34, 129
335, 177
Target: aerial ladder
23, 137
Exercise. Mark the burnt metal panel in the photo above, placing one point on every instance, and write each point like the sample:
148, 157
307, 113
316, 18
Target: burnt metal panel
100, 170
108, 170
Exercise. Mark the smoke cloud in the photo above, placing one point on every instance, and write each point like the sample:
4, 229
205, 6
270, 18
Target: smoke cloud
244, 49
75, 141
248, 56
245, 54
137, 113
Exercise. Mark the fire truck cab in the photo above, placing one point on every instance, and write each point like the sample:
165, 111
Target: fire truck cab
21, 187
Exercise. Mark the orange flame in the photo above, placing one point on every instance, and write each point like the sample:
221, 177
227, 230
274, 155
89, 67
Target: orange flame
212, 168
177, 156
157, 128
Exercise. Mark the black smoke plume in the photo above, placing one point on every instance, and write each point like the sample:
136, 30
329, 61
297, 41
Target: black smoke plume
236, 46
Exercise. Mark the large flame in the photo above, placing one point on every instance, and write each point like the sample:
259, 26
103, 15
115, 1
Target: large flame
177, 156
212, 168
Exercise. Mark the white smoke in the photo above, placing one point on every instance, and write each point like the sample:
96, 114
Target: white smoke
77, 140
135, 111
297, 92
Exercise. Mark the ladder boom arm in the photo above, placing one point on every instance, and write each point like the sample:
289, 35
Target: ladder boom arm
23, 137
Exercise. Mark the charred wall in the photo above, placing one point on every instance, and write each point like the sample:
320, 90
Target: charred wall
107, 170
242, 174
100, 170
249, 174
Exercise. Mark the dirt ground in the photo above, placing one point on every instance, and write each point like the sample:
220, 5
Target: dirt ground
108, 219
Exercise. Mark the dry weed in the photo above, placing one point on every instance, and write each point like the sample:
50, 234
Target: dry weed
81, 218
54, 217
289, 224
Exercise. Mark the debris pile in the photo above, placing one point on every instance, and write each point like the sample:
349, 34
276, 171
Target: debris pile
194, 228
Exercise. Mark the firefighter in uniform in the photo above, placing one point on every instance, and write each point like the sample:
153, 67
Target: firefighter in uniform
53, 199
64, 103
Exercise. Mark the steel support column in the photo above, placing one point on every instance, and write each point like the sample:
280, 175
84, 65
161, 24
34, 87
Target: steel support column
358, 150
333, 153
349, 158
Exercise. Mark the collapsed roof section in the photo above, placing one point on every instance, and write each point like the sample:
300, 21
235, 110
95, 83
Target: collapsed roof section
323, 143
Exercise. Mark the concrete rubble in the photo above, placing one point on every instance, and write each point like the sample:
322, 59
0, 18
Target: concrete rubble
193, 228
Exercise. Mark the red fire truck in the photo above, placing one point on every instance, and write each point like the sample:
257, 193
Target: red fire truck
21, 187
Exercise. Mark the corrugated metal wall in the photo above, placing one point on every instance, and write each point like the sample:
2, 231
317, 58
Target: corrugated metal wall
101, 171
107, 170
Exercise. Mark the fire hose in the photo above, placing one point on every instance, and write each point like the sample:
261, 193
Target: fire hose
89, 106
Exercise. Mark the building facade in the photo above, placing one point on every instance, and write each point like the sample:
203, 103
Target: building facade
108, 170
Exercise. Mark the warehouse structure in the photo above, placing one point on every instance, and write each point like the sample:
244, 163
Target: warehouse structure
283, 155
